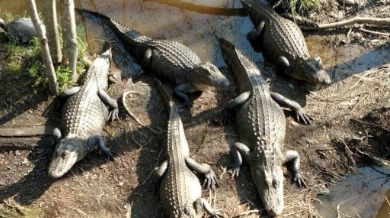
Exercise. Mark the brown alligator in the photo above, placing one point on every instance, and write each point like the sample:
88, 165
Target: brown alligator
261, 125
282, 41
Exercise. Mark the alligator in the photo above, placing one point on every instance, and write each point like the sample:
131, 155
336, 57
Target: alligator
282, 42
179, 188
167, 60
261, 126
84, 114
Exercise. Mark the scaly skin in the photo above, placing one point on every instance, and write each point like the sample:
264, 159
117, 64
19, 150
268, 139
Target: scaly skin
83, 117
282, 41
167, 60
180, 189
261, 125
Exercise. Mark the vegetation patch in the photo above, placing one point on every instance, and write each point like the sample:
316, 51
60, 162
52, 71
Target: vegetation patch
10, 209
297, 6
27, 60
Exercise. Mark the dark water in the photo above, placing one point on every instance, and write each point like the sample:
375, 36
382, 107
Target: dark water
361, 194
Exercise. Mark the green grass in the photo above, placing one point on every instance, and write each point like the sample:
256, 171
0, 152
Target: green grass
27, 59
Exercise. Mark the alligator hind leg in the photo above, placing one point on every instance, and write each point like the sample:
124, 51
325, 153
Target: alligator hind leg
292, 160
293, 105
233, 105
254, 37
98, 140
210, 180
112, 103
180, 91
159, 173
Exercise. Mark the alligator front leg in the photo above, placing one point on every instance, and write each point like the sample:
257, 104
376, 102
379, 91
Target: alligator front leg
237, 151
292, 160
210, 180
159, 173
146, 59
58, 101
57, 135
180, 91
112, 103
203, 202
69, 92
293, 105
233, 105
97, 139
254, 37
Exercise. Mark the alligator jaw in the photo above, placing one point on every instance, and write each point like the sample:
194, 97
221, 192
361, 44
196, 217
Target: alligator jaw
269, 183
208, 75
64, 157
310, 70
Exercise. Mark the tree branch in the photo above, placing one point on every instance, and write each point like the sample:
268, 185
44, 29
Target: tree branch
355, 20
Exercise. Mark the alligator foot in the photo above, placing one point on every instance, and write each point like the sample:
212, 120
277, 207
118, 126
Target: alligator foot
179, 92
228, 119
114, 114
98, 139
302, 117
298, 179
234, 170
213, 212
210, 181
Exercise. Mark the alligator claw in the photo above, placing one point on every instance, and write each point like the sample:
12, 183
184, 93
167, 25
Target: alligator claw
302, 117
114, 114
298, 179
188, 103
155, 187
228, 119
210, 181
109, 153
234, 170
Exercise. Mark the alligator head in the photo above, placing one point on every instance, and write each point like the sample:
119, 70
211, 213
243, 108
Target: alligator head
67, 152
269, 183
206, 75
310, 70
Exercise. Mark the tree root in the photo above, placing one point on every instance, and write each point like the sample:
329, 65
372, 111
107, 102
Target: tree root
131, 113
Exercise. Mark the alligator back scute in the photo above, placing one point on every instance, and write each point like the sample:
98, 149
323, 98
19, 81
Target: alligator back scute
172, 60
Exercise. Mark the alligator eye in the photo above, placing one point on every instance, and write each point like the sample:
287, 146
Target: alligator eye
65, 154
274, 183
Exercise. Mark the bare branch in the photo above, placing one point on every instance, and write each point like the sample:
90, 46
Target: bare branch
50, 19
355, 20
69, 36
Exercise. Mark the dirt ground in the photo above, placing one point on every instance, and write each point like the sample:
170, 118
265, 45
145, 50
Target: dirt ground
351, 128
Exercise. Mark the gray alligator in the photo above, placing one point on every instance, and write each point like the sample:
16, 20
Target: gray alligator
282, 41
261, 125
84, 115
180, 189
167, 60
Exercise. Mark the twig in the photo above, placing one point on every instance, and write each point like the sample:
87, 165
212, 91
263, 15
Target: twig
246, 213
374, 32
131, 113
343, 23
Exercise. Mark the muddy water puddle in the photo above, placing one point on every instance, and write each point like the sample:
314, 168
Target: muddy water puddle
365, 193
